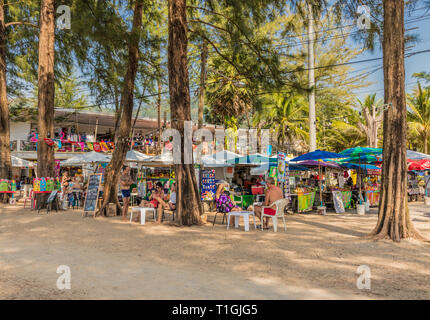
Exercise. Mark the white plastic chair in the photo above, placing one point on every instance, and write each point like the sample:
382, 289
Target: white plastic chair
142, 212
280, 207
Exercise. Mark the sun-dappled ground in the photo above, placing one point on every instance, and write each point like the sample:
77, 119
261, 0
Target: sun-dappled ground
317, 258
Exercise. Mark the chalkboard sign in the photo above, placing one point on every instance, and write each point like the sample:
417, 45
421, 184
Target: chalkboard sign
92, 192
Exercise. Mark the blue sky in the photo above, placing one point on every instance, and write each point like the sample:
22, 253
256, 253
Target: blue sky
415, 63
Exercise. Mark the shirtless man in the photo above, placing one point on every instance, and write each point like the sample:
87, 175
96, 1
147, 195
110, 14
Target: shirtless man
272, 194
125, 182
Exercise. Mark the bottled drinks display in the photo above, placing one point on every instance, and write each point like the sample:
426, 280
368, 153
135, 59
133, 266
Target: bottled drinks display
46, 184
208, 186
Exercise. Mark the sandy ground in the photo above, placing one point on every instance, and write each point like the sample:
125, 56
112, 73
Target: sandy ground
317, 258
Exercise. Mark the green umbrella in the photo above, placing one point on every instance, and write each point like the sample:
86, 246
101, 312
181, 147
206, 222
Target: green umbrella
359, 152
365, 158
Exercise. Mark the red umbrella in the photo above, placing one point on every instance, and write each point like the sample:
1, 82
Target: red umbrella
419, 165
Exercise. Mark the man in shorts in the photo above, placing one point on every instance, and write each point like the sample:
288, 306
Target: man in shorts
125, 182
272, 194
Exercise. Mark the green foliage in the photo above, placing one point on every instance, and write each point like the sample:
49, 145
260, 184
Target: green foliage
419, 118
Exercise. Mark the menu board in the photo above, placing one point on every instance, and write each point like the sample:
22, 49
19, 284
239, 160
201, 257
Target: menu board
208, 186
92, 192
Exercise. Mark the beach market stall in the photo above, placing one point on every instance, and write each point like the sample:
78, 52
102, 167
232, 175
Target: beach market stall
315, 159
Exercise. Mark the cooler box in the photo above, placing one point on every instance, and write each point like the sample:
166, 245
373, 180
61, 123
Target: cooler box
257, 190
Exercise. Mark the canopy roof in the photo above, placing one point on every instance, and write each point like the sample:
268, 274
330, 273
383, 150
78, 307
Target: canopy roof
135, 156
318, 155
86, 158
225, 155
414, 155
18, 162
256, 158
313, 163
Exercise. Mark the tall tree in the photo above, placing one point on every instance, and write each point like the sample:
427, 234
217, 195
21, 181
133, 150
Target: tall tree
188, 203
203, 60
372, 113
13, 52
393, 217
5, 159
123, 140
46, 89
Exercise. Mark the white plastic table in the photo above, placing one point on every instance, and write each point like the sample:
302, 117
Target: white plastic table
245, 215
142, 213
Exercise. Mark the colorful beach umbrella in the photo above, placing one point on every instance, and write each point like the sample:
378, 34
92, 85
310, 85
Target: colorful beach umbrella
365, 158
359, 151
414, 155
317, 155
419, 165
313, 163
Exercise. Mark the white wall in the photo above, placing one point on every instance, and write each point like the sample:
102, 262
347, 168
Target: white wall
19, 130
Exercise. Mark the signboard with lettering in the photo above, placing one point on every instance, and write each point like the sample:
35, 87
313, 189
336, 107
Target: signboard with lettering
91, 198
208, 186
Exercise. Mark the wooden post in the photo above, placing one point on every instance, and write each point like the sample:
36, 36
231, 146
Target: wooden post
95, 132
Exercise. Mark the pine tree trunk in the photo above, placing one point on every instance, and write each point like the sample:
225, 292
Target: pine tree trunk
203, 58
188, 198
118, 112
46, 89
393, 217
426, 137
5, 159
160, 146
122, 146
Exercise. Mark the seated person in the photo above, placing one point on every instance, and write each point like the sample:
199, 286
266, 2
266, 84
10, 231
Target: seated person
272, 194
155, 199
172, 199
223, 202
170, 205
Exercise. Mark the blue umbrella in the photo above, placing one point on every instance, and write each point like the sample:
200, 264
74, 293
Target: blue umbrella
318, 155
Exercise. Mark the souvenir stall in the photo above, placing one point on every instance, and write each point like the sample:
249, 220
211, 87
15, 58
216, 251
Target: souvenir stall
418, 185
367, 177
324, 182
7, 189
315, 160
153, 170
372, 185
302, 194
287, 176
246, 190
22, 172
338, 188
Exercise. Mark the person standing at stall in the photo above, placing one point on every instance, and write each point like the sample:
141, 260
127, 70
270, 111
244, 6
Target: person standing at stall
65, 180
125, 182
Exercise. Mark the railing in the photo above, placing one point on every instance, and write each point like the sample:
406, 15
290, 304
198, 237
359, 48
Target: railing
22, 145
